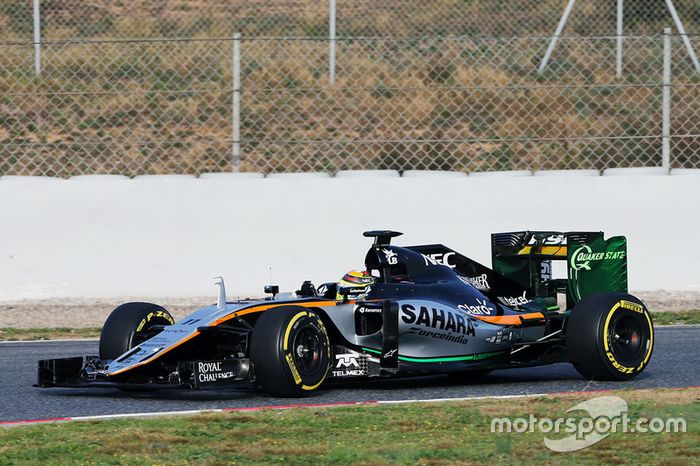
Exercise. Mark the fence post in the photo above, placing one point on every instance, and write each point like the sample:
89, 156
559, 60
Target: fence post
620, 30
331, 42
555, 38
236, 148
684, 36
666, 131
37, 39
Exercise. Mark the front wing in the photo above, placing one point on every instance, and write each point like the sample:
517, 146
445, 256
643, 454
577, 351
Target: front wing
86, 371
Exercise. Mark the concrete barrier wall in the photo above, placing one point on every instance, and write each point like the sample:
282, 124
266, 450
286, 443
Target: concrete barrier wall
169, 235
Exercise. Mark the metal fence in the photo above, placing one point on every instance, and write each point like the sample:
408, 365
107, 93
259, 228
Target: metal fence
271, 104
222, 18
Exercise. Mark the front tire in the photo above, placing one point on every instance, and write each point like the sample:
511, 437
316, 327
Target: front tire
129, 325
610, 336
290, 350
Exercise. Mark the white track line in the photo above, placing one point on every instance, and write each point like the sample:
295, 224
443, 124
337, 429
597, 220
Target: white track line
469, 398
339, 404
104, 417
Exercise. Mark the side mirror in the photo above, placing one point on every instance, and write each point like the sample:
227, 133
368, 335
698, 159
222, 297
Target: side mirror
307, 290
272, 289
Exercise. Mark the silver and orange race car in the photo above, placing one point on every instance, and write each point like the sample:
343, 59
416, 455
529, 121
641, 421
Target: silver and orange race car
425, 310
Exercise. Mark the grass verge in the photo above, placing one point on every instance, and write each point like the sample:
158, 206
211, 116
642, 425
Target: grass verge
677, 317
421, 433
20, 334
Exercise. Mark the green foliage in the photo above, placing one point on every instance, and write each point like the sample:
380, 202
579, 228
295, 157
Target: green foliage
691, 317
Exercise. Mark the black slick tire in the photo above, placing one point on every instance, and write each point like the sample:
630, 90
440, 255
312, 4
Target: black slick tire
128, 325
610, 336
290, 351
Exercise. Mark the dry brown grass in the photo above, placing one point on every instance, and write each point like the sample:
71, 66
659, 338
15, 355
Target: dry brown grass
359, 17
130, 108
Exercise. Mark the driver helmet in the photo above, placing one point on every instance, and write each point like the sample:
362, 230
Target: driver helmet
359, 281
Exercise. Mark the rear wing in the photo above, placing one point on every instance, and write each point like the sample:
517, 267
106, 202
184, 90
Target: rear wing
593, 263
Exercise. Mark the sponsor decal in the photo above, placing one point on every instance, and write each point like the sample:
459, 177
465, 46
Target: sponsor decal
293, 368
438, 336
481, 282
363, 309
346, 360
632, 306
617, 365
551, 240
349, 365
354, 292
437, 319
157, 341
502, 336
153, 315
514, 301
581, 258
208, 372
391, 256
481, 308
546, 270
170, 334
390, 353
440, 259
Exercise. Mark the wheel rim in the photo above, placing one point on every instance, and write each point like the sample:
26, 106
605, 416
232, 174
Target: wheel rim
307, 350
628, 339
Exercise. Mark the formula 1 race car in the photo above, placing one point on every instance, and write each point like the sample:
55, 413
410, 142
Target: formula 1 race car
428, 310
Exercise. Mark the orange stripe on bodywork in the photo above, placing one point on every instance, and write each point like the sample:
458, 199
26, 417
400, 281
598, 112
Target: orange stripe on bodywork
250, 310
265, 307
511, 319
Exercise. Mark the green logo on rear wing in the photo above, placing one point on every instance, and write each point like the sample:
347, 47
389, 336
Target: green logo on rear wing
597, 266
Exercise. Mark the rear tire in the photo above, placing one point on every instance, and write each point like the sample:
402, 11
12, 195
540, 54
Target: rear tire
290, 350
128, 325
610, 336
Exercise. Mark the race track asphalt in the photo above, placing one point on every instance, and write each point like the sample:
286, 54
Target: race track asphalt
675, 363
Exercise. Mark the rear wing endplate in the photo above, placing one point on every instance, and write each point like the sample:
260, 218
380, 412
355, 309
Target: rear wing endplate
594, 264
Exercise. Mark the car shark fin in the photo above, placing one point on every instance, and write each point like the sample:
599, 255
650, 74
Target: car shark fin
221, 302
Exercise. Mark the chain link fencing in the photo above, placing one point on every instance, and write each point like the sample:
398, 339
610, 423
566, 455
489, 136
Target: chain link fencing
452, 103
100, 19
404, 85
